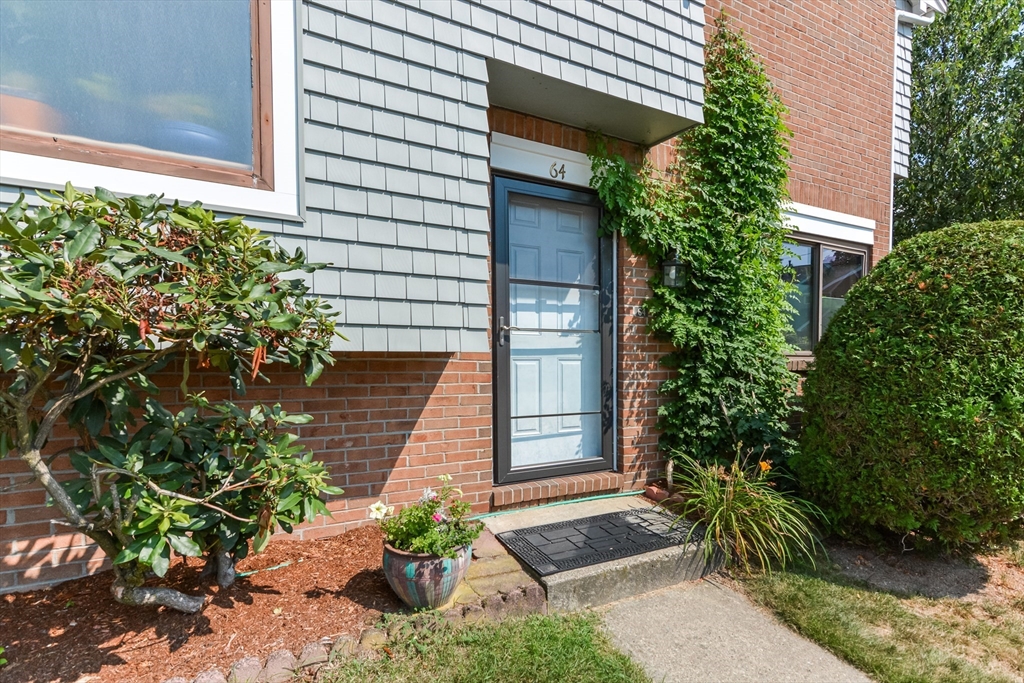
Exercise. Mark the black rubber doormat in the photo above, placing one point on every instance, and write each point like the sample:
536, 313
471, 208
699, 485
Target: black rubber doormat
574, 543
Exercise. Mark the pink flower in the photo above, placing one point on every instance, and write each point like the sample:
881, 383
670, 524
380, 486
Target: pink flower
437, 517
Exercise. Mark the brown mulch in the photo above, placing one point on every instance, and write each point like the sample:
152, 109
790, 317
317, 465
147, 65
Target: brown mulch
76, 632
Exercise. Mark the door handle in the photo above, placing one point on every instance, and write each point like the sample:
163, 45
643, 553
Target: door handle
502, 329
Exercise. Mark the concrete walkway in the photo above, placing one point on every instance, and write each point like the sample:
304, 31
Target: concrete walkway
702, 632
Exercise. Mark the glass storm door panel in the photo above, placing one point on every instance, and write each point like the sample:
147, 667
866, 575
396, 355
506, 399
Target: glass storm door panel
551, 346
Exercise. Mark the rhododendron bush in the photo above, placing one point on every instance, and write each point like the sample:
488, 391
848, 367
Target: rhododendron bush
97, 293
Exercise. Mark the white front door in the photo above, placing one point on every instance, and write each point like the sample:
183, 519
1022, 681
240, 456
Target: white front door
551, 337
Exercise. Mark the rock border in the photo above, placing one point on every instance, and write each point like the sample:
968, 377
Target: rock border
282, 666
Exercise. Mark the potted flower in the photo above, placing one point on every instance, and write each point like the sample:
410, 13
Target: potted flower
428, 545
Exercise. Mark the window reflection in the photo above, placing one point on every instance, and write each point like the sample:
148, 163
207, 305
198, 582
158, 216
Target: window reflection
840, 270
166, 75
801, 261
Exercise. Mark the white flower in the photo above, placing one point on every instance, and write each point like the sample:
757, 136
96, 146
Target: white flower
445, 478
378, 510
429, 494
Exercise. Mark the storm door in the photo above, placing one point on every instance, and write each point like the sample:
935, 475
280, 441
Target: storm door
553, 315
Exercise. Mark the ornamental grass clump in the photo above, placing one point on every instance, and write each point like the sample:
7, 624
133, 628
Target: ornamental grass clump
434, 525
743, 513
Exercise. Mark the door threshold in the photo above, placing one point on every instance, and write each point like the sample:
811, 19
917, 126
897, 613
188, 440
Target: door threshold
525, 493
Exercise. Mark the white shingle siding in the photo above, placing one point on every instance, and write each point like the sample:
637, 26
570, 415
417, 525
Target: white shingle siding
396, 159
901, 113
395, 132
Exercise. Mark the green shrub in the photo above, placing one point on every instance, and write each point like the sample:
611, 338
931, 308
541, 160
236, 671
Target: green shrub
98, 293
744, 514
915, 403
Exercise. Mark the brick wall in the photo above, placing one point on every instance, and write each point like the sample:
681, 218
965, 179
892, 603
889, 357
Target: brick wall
387, 425
832, 62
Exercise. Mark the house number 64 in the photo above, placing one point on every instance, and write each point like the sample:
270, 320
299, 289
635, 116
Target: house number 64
557, 172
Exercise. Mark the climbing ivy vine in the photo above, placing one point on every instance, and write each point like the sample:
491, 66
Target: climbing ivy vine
719, 208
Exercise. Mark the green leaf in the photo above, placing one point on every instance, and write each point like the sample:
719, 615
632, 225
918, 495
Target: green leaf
288, 503
183, 545
114, 457
84, 242
96, 417
10, 350
9, 229
285, 322
185, 369
160, 468
131, 552
161, 558
227, 534
259, 291
274, 267
259, 542
29, 247
170, 255
314, 368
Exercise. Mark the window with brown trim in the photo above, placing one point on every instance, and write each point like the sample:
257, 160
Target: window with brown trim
174, 87
823, 273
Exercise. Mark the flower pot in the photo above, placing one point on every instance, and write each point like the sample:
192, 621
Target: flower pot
422, 580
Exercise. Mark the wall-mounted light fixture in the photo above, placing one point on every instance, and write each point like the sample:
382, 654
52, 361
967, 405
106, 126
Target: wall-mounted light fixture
673, 271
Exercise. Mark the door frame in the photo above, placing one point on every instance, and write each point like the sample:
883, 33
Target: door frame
500, 312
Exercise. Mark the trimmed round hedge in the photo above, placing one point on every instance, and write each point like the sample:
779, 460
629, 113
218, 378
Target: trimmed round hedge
915, 402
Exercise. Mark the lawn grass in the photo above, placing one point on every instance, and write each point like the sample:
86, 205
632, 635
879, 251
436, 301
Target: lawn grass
899, 639
536, 649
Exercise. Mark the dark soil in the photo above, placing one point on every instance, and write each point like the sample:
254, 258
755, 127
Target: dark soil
76, 632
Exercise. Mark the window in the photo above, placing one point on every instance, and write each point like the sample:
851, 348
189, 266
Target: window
174, 87
822, 274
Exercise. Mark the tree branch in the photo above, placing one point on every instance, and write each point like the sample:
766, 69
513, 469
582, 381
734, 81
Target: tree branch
168, 597
103, 381
62, 403
171, 494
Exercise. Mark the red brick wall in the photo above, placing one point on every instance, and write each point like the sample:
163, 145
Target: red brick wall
832, 62
387, 425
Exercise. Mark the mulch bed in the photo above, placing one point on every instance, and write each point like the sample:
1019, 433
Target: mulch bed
76, 632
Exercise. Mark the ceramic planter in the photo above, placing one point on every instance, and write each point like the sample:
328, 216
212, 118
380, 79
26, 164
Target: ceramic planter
425, 581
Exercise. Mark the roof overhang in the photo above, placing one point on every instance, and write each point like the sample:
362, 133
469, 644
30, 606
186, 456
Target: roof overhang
513, 87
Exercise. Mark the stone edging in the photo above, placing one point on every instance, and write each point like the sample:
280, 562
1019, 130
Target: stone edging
282, 666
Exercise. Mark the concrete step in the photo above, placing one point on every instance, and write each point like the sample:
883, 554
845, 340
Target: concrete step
607, 582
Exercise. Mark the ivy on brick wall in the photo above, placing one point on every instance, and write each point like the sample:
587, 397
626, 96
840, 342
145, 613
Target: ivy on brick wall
719, 209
